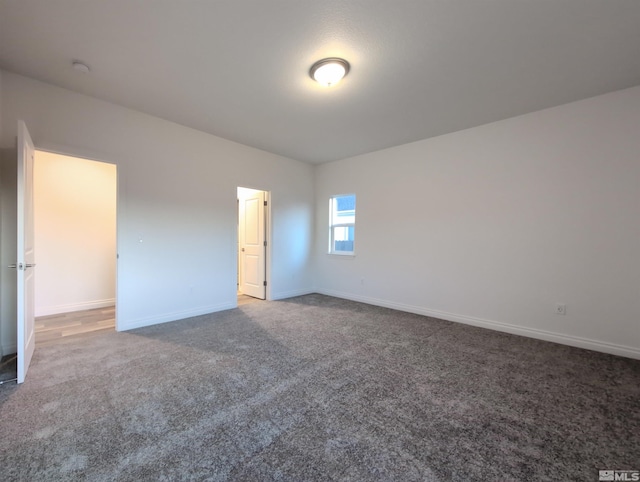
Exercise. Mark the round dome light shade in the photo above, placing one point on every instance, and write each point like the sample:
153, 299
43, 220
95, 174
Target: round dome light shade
329, 72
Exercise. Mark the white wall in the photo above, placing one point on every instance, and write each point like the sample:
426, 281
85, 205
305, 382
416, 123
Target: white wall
75, 233
493, 225
176, 194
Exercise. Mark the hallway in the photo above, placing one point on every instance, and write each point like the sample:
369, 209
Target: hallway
52, 328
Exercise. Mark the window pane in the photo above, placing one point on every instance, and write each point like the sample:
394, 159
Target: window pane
343, 209
346, 203
342, 224
343, 237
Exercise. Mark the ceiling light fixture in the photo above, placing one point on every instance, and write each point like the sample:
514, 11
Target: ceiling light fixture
80, 67
329, 72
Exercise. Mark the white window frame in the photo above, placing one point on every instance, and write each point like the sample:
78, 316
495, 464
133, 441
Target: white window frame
332, 227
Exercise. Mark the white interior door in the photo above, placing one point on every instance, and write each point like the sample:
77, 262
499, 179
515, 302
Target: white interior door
25, 262
252, 245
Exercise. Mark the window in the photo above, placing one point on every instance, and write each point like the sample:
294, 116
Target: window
342, 223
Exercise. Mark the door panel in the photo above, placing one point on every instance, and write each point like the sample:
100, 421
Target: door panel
251, 270
252, 249
26, 253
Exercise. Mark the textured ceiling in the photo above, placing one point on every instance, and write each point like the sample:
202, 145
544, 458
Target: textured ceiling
239, 68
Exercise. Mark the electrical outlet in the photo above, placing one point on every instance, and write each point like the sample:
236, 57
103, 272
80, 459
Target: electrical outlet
561, 309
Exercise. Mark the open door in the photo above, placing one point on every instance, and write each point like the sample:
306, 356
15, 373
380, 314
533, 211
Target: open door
252, 245
25, 262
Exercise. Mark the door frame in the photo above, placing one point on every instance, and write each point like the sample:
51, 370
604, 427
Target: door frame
267, 236
91, 156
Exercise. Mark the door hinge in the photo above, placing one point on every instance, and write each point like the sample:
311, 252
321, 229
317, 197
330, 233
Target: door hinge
265, 243
264, 283
265, 203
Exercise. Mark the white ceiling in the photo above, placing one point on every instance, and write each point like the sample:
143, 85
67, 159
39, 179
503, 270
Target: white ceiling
239, 68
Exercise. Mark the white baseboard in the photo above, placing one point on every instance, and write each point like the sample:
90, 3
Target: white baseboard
9, 349
579, 342
291, 294
180, 315
68, 308
174, 316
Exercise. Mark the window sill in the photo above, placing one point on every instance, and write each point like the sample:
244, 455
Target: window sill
342, 255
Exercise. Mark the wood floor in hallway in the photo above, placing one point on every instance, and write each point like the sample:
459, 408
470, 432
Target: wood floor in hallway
52, 328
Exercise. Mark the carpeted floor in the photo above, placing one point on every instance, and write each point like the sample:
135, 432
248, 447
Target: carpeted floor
317, 388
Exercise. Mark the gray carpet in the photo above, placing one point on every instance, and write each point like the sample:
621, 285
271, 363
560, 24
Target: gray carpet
317, 388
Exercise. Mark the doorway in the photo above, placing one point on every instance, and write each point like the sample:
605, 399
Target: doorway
75, 234
253, 230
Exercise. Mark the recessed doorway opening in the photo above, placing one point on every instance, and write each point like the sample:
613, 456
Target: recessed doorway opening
75, 233
253, 245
